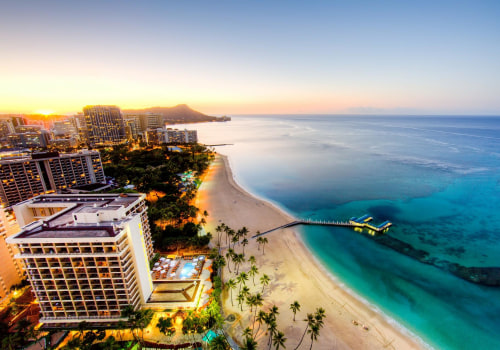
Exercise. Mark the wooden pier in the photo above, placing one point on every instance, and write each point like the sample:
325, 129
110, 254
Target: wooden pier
362, 222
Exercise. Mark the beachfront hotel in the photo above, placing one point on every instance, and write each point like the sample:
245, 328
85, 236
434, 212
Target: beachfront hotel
23, 177
86, 256
162, 135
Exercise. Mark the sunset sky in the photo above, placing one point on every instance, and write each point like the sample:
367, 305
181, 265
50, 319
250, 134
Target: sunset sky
245, 57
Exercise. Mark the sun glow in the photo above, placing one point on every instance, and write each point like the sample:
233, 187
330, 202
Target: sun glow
45, 112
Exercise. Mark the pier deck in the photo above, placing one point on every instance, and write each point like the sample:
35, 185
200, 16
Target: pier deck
362, 222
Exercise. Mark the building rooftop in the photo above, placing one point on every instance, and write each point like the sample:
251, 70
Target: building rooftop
89, 216
42, 155
73, 232
123, 199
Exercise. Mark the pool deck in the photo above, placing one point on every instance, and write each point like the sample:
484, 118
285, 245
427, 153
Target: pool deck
171, 269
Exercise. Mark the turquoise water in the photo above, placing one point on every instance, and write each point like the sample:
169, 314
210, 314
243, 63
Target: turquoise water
187, 270
436, 178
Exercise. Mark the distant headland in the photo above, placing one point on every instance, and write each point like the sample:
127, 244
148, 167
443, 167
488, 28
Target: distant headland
180, 114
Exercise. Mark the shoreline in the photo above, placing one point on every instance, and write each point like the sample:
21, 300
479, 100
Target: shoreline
296, 274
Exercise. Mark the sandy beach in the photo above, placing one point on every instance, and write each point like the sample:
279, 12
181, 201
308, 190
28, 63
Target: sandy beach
294, 273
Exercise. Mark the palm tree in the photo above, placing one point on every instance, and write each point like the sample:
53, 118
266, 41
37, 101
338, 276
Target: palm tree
218, 263
310, 321
243, 231
219, 343
235, 239
110, 344
231, 284
264, 242
274, 311
11, 341
257, 301
264, 280
247, 332
218, 229
279, 340
229, 255
83, 326
314, 332
295, 306
249, 344
73, 344
319, 315
22, 325
121, 325
241, 279
238, 259
245, 290
259, 240
244, 242
32, 333
241, 299
250, 301
164, 324
229, 234
252, 272
261, 317
252, 260
271, 328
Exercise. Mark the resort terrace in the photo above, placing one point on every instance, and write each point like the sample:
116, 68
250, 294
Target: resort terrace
181, 282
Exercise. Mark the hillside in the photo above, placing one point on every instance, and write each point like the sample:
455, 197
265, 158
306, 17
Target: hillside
174, 115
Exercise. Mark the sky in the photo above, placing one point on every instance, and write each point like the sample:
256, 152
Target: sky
252, 57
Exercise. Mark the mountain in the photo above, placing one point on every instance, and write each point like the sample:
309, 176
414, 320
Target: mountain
174, 115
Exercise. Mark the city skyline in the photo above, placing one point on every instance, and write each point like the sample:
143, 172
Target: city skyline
252, 57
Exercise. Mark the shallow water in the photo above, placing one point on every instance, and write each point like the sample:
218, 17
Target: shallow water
436, 178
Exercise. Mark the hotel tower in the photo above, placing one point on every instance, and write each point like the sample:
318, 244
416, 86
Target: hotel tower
104, 125
24, 177
86, 256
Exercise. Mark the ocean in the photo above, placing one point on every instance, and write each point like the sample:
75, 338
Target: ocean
436, 178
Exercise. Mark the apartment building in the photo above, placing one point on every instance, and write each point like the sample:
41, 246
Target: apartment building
22, 178
86, 256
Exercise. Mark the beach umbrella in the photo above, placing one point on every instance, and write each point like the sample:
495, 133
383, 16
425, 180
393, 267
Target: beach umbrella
207, 284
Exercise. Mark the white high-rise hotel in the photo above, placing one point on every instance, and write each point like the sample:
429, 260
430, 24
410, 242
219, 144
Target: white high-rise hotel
86, 256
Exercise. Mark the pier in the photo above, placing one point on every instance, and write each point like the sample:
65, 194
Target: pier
486, 276
361, 222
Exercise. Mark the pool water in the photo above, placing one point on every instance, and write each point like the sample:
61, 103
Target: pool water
187, 270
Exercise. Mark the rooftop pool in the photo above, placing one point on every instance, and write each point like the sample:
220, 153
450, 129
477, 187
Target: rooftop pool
187, 270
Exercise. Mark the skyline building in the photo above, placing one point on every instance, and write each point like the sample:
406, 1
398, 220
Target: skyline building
104, 125
162, 135
86, 256
24, 177
132, 127
6, 128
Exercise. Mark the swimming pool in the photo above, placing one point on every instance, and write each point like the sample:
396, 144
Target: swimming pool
187, 270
